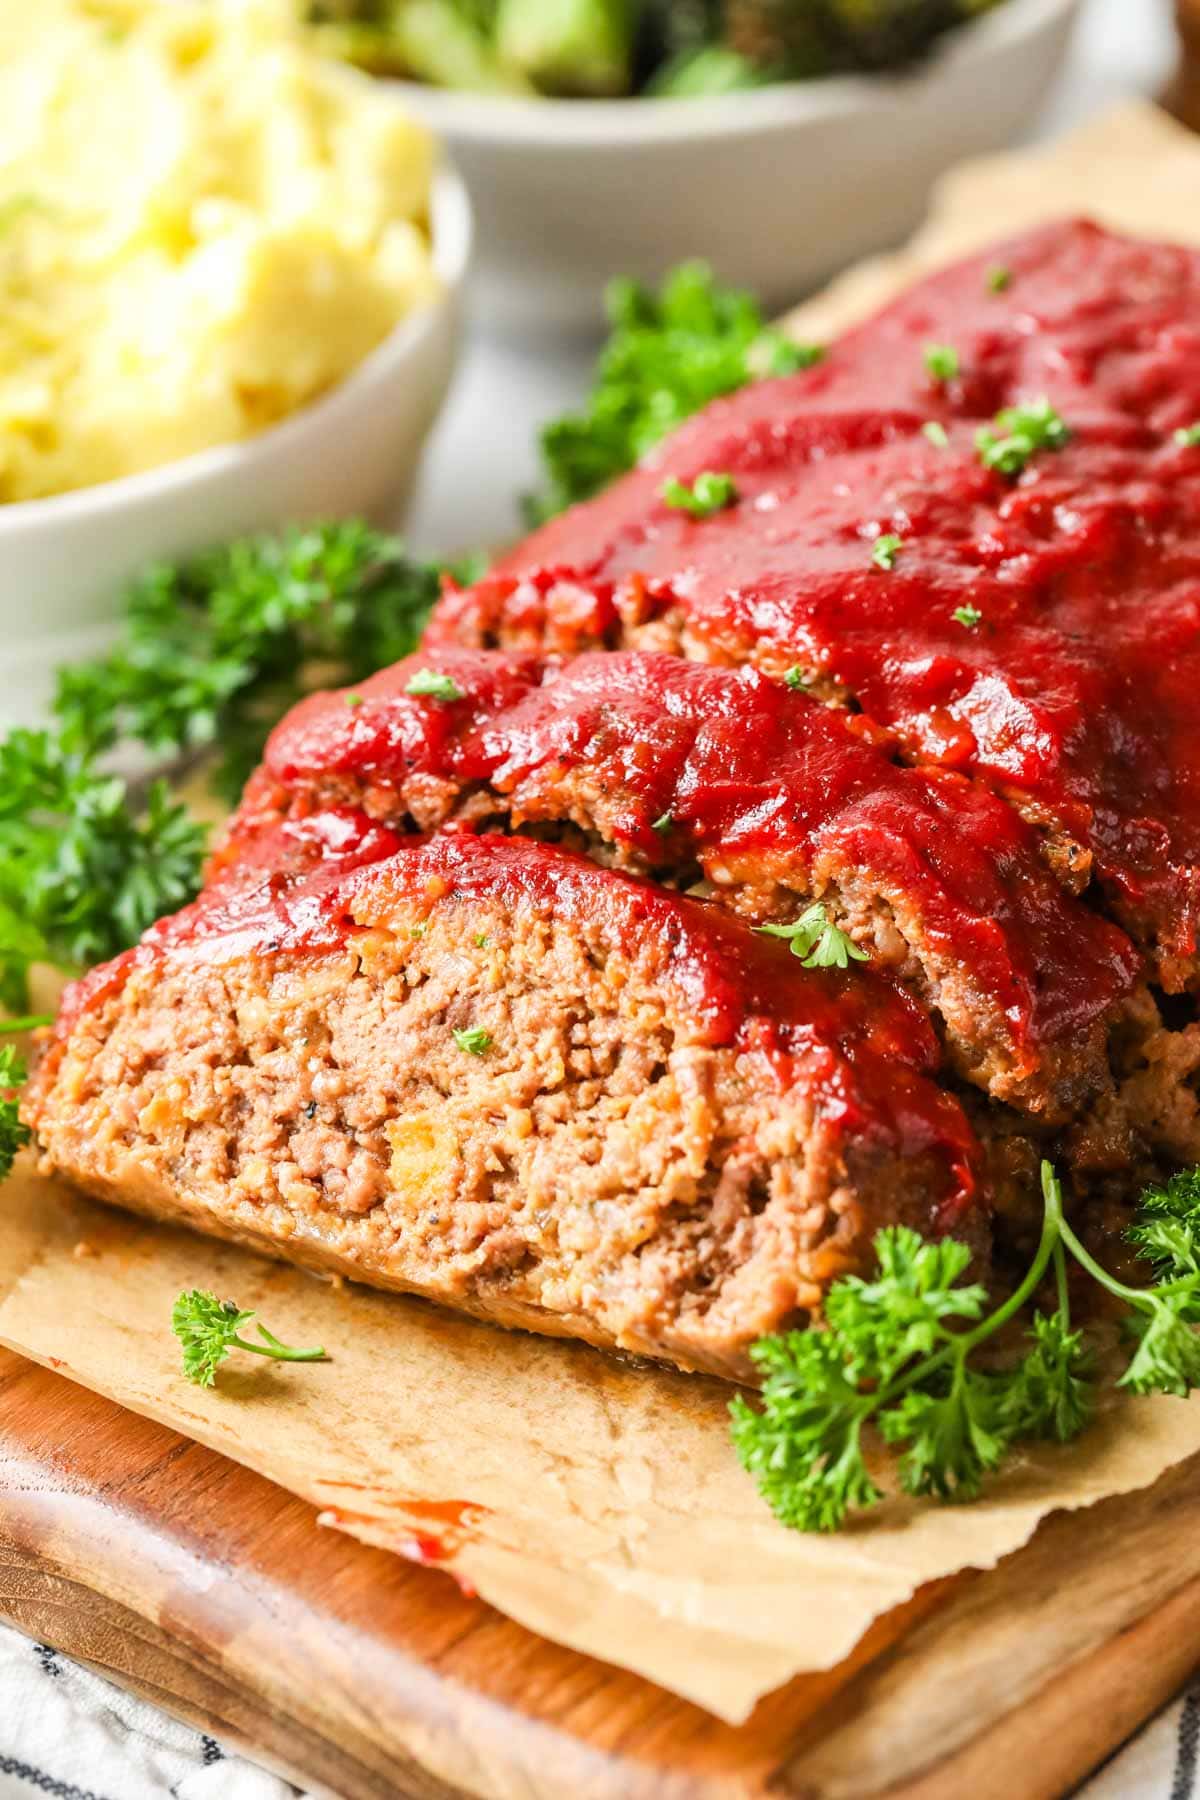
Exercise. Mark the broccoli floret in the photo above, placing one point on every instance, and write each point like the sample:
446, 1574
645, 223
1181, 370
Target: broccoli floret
786, 39
446, 42
582, 47
813, 37
709, 69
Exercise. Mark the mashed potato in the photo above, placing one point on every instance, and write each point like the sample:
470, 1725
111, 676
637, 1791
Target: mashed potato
202, 227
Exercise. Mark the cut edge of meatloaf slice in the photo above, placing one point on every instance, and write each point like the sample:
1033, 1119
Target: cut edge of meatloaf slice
488, 1072
684, 771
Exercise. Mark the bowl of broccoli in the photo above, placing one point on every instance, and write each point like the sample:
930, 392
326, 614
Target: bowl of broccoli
779, 139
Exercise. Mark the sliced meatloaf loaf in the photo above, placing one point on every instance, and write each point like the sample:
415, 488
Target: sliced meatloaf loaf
488, 1071
686, 770
1035, 618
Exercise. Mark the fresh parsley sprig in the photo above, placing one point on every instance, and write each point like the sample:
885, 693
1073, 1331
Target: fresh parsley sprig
216, 648
213, 650
668, 355
86, 861
898, 1352
13, 1135
208, 1329
817, 941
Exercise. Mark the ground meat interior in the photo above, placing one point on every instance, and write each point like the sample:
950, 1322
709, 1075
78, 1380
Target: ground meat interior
518, 1103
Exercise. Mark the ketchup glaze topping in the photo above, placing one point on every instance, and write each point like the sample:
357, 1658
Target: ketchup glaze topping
737, 770
1075, 691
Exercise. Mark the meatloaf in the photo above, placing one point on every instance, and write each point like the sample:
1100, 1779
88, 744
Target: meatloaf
488, 1071
684, 770
1039, 624
935, 668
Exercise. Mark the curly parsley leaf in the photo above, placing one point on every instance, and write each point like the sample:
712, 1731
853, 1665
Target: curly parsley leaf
13, 1135
216, 648
1053, 1393
953, 1430
208, 1329
668, 355
898, 1352
1166, 1231
804, 1448
898, 1314
818, 943
85, 865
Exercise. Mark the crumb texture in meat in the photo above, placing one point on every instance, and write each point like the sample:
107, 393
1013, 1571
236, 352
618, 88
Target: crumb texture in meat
490, 1072
683, 770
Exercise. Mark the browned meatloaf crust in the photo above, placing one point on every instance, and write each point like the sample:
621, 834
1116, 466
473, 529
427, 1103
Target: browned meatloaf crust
669, 1138
688, 771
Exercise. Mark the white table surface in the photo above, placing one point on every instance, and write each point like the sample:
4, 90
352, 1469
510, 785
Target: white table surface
62, 1732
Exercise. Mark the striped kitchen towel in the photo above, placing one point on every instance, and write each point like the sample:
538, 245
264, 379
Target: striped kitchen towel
67, 1735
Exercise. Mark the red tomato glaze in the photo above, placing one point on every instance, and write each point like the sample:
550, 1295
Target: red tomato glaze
746, 773
1078, 691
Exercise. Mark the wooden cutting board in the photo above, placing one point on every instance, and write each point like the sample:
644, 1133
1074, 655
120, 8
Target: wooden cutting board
211, 1591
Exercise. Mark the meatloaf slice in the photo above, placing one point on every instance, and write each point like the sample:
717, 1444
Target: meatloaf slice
487, 1071
684, 770
1037, 622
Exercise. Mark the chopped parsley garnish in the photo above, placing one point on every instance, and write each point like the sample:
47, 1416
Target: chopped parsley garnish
818, 943
885, 549
1020, 432
353, 700
968, 616
482, 940
795, 677
475, 1042
417, 931
711, 492
13, 1135
786, 358
430, 684
997, 278
668, 355
663, 824
899, 1353
209, 1329
1188, 435
936, 433
941, 360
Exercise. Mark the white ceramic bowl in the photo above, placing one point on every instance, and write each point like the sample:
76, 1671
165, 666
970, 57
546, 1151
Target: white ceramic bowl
64, 561
777, 188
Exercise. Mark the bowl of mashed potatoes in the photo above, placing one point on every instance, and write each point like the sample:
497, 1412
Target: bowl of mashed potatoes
229, 275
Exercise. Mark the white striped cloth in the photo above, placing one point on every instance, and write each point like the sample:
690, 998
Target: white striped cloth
67, 1735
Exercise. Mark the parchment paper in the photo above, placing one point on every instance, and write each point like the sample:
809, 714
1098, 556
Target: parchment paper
605, 1508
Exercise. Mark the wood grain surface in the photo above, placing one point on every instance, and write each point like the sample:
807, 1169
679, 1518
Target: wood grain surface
1183, 96
211, 1591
